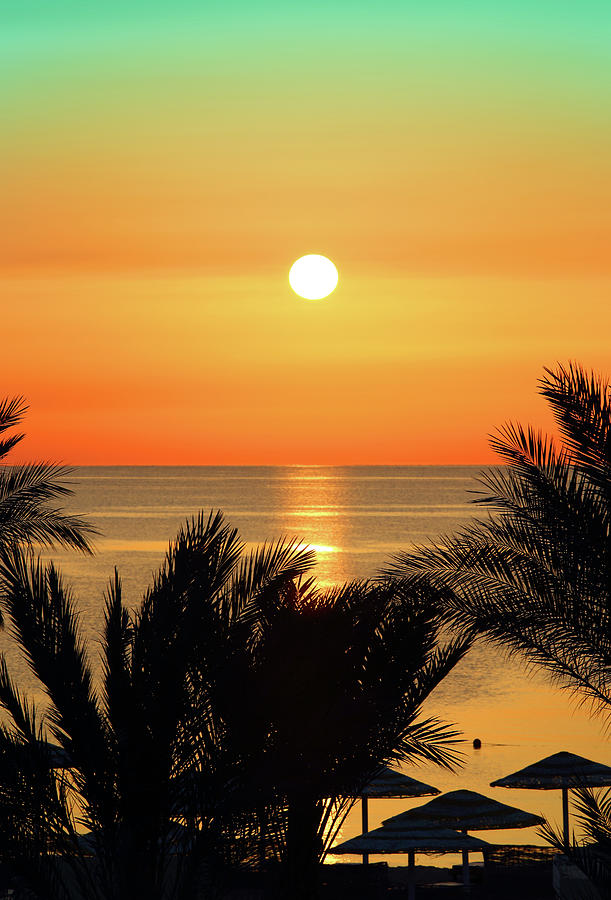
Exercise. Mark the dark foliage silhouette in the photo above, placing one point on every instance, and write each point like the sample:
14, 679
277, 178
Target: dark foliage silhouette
535, 576
237, 700
335, 683
592, 853
27, 490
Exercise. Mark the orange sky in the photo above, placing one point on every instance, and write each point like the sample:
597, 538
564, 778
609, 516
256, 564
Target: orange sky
159, 179
134, 369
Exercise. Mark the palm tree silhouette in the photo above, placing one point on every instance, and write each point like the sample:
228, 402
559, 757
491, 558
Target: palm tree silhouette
26, 490
148, 720
535, 576
336, 679
236, 698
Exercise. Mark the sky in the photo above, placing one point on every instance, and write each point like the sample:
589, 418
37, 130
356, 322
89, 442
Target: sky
163, 164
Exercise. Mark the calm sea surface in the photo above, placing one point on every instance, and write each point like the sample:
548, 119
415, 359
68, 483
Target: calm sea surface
355, 517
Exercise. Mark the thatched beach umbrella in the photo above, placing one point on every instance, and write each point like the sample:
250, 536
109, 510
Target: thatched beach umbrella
464, 811
389, 783
411, 841
562, 771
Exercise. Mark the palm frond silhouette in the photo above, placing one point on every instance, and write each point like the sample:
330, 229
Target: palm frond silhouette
534, 577
592, 854
237, 698
26, 492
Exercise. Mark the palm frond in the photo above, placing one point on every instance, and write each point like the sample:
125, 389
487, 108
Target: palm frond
24, 517
35, 482
45, 624
23, 712
173, 621
284, 560
592, 855
12, 410
116, 661
431, 741
581, 402
534, 576
26, 490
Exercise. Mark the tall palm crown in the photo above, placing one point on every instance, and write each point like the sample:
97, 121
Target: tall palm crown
336, 680
236, 697
535, 577
25, 493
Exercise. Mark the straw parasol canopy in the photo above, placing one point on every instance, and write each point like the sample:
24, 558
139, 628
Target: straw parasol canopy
561, 771
390, 783
411, 841
466, 811
558, 771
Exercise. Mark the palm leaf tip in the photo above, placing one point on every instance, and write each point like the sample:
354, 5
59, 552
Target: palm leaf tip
12, 411
26, 516
25, 491
534, 576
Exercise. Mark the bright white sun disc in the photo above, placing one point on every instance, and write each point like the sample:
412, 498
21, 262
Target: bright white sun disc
313, 277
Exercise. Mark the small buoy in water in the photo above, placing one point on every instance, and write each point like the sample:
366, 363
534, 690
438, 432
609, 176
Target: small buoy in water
477, 744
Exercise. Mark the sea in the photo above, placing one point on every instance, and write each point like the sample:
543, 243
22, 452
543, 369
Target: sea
356, 518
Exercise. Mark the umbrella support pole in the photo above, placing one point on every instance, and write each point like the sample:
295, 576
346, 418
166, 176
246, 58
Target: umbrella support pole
565, 817
465, 869
365, 824
411, 875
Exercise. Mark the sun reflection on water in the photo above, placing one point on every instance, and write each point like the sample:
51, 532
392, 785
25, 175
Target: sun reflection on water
310, 507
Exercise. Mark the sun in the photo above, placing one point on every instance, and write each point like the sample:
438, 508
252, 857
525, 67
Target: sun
313, 277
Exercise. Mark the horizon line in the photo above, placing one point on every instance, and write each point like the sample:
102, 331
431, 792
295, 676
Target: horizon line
276, 465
